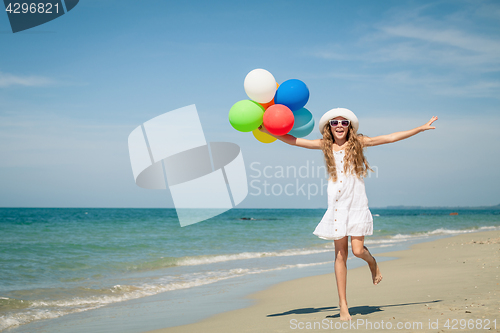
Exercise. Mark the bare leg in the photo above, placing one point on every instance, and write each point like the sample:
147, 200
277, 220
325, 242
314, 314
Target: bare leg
360, 251
341, 252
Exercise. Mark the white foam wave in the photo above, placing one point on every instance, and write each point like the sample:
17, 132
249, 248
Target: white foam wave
211, 259
28, 316
383, 242
489, 228
203, 260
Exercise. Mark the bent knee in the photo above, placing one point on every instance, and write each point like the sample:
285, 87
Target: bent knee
358, 252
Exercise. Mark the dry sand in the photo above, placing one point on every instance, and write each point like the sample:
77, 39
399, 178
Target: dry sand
439, 286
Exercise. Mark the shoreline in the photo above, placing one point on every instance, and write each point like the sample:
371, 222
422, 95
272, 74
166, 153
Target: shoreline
242, 302
447, 281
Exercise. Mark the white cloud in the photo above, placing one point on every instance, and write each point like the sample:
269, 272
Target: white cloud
449, 47
452, 37
452, 54
7, 80
412, 43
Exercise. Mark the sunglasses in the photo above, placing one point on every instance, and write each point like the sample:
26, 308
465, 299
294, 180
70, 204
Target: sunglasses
344, 123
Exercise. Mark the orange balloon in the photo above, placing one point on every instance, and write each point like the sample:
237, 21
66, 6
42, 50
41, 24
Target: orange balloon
266, 105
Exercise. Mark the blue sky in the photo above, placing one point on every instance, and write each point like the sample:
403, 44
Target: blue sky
72, 90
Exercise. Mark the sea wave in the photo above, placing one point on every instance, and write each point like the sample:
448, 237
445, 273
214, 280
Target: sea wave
203, 260
327, 247
398, 238
48, 309
166, 262
17, 312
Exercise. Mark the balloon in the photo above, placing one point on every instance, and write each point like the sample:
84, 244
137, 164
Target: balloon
260, 85
304, 123
245, 115
263, 137
266, 105
278, 119
292, 93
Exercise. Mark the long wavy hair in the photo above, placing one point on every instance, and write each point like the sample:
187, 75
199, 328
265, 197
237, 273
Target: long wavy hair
355, 161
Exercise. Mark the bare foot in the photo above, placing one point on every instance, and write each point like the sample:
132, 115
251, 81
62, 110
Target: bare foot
344, 312
376, 275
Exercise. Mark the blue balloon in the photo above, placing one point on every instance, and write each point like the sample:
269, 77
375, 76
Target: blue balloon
303, 124
293, 94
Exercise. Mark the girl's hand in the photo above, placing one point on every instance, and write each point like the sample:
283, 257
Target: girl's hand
291, 140
263, 129
397, 136
429, 123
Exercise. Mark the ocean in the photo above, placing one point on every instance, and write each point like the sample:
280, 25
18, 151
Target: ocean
59, 261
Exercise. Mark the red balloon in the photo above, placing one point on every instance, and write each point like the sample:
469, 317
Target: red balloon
278, 119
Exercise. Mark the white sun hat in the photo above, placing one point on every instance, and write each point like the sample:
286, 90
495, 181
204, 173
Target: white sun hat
339, 112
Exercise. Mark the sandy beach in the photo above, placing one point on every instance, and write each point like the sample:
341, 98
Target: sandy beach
445, 285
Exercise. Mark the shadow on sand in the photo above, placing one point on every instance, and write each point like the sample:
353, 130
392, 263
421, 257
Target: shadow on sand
302, 311
355, 310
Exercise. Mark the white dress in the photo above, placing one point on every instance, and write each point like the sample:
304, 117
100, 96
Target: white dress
347, 213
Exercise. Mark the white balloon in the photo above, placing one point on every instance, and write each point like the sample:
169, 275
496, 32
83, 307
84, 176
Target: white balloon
260, 85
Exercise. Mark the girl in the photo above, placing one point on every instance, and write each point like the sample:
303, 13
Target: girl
347, 213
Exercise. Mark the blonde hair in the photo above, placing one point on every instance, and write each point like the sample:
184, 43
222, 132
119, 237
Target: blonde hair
355, 161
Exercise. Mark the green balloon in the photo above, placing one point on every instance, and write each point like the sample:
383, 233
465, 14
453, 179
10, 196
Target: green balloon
246, 115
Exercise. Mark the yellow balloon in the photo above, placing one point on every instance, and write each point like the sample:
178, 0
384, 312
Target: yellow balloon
263, 137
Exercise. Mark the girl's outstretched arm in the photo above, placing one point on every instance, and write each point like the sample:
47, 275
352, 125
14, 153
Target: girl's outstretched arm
291, 140
397, 136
